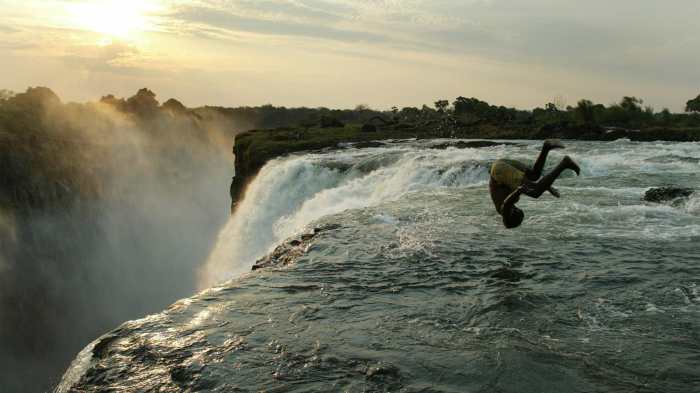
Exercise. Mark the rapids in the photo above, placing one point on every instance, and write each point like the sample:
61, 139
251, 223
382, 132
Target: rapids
419, 288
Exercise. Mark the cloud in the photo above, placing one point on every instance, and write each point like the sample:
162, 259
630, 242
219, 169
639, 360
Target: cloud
116, 57
640, 47
266, 23
7, 29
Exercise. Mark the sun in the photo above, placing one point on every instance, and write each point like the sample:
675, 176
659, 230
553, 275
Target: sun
114, 18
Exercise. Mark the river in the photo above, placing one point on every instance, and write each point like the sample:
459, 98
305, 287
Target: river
415, 285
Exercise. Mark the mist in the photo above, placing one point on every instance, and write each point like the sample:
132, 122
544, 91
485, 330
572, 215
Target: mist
108, 210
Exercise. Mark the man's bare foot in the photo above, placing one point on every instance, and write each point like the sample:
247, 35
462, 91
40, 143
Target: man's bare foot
553, 144
571, 164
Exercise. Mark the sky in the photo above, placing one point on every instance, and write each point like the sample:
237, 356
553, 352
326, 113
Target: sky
341, 53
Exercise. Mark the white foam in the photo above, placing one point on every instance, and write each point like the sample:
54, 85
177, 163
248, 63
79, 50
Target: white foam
692, 206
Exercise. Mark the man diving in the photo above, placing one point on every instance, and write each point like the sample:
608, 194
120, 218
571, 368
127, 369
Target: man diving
510, 179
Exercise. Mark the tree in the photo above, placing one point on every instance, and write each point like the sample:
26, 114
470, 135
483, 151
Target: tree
174, 106
144, 103
585, 112
114, 102
409, 114
559, 102
6, 94
693, 105
472, 106
441, 105
631, 104
665, 116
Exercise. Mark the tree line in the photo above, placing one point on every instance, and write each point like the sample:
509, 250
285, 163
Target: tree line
629, 112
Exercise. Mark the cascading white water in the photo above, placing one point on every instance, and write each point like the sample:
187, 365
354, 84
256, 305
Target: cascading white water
290, 193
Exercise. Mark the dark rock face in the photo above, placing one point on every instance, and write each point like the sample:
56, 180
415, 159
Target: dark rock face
663, 194
369, 128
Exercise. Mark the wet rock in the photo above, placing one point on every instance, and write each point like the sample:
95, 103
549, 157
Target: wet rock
382, 369
101, 349
469, 144
664, 194
363, 145
285, 254
327, 227
288, 252
181, 374
383, 377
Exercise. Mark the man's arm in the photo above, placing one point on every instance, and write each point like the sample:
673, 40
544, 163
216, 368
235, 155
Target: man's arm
510, 201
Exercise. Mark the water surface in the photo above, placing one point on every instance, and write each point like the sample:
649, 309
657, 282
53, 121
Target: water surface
417, 287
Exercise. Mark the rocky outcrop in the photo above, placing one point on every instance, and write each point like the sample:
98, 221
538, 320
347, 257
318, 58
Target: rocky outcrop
667, 194
291, 250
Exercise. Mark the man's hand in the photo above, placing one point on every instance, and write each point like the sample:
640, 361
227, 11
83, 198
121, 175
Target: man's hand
554, 192
512, 199
553, 144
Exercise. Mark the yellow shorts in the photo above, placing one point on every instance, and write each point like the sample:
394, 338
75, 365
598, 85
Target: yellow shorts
506, 174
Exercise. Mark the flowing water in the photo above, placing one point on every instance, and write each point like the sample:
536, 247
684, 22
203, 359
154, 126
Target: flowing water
415, 286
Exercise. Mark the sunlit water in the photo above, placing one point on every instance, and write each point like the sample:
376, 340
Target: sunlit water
421, 289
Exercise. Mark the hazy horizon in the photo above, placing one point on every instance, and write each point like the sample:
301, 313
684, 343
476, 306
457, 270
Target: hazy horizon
340, 54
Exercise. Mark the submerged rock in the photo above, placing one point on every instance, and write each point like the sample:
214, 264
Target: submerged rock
664, 194
288, 252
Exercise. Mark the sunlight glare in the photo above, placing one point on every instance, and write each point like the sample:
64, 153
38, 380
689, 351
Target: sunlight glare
114, 18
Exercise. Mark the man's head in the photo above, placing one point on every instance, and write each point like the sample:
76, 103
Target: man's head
514, 219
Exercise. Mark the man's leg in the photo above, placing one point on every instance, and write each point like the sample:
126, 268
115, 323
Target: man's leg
536, 189
536, 171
